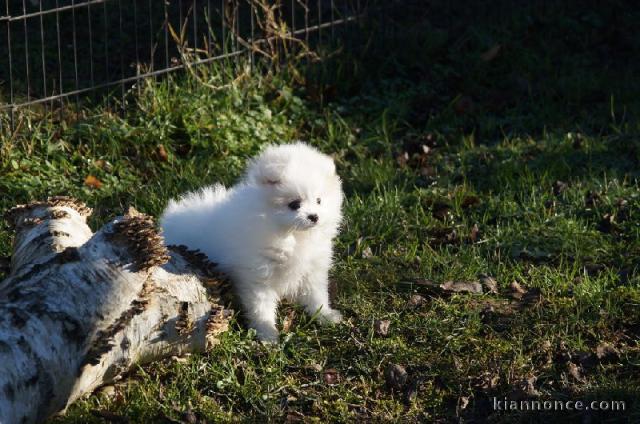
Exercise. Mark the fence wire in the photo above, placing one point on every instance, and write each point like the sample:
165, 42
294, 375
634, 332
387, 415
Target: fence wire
57, 53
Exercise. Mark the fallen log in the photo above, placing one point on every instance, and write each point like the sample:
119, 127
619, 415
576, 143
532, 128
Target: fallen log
78, 309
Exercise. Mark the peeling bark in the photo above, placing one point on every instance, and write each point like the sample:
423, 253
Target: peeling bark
78, 309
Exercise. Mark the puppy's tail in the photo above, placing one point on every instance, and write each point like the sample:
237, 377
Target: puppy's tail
212, 194
205, 197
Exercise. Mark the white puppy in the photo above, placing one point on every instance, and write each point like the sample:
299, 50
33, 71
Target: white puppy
272, 232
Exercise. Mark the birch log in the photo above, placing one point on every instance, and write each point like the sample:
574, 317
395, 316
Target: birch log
78, 309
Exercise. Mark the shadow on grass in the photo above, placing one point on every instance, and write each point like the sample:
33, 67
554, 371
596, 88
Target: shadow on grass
559, 159
499, 69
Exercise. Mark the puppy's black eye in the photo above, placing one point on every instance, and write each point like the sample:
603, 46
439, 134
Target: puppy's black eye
295, 205
318, 200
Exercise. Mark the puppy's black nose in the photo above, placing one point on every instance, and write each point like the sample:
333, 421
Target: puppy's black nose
313, 217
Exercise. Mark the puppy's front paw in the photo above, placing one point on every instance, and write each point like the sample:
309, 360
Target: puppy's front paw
332, 316
267, 334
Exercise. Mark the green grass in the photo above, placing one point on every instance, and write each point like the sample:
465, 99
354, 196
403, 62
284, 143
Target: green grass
534, 147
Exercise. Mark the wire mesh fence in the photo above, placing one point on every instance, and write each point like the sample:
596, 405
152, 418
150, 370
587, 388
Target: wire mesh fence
57, 53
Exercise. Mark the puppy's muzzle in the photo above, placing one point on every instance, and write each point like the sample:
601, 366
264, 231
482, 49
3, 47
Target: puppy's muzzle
313, 217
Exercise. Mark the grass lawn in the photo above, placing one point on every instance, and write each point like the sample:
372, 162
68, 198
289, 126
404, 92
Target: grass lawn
476, 144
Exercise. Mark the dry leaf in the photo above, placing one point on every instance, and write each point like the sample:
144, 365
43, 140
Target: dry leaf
416, 300
162, 153
331, 376
314, 367
108, 391
488, 310
462, 287
517, 292
574, 371
464, 401
93, 182
402, 159
381, 327
446, 288
490, 283
491, 54
489, 380
526, 387
288, 320
396, 376
442, 236
473, 236
181, 359
606, 351
367, 253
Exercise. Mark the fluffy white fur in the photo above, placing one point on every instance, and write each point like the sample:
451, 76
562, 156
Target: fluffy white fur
254, 232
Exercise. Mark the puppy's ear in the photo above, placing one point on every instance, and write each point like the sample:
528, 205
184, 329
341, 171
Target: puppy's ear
269, 174
332, 167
